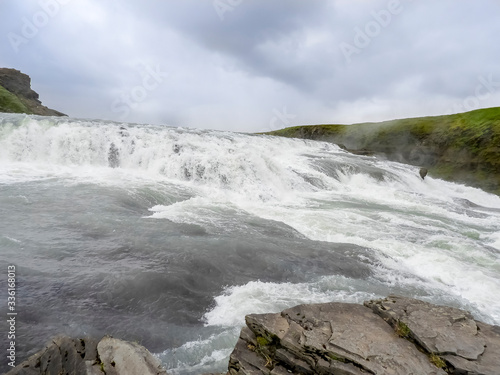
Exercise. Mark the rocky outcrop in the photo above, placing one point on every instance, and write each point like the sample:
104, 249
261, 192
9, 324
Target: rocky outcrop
464, 344
110, 356
423, 172
16, 95
391, 336
395, 335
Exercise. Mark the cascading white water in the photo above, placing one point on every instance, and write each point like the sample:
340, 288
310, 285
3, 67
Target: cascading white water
428, 238
222, 160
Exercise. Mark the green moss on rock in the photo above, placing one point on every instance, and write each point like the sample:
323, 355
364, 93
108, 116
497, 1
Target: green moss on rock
437, 361
262, 341
336, 358
402, 330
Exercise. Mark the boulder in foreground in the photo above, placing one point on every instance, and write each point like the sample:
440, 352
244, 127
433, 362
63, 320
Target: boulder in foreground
390, 336
394, 335
110, 356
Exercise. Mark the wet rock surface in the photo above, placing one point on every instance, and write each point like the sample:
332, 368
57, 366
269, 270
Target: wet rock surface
394, 335
464, 344
110, 356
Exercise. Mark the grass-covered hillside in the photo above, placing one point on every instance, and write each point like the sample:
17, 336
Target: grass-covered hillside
10, 102
16, 95
463, 147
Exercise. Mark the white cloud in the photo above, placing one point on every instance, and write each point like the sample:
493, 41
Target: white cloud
262, 58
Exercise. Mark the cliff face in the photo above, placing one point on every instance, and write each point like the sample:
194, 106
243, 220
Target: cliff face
16, 95
462, 148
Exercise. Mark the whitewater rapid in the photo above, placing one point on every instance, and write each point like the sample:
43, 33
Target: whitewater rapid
430, 239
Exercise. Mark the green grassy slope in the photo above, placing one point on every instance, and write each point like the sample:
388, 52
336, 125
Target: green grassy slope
463, 147
10, 103
16, 103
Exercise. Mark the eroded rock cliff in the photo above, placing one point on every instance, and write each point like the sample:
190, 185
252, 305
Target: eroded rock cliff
16, 95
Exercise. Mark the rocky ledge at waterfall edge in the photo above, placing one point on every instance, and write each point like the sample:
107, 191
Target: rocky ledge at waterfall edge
395, 335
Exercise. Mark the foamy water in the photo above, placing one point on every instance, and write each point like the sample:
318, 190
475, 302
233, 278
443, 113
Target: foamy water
169, 236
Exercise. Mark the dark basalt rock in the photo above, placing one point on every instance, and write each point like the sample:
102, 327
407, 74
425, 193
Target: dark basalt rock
423, 172
19, 84
113, 156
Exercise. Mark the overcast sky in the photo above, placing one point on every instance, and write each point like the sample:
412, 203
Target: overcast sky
254, 65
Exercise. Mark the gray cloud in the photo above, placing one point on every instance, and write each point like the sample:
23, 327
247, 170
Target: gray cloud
94, 59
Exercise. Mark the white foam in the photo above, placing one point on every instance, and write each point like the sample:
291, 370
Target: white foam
257, 297
427, 228
443, 254
494, 240
12, 239
202, 355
